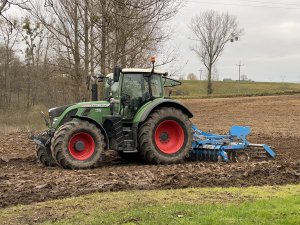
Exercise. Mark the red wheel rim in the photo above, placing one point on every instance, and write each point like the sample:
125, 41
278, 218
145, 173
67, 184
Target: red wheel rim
88, 146
169, 136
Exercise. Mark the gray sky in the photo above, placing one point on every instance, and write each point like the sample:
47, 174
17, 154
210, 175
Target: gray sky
269, 48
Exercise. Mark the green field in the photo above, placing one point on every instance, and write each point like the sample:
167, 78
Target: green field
252, 205
17, 120
196, 88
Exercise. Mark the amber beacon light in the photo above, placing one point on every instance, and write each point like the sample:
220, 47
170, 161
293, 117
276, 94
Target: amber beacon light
152, 59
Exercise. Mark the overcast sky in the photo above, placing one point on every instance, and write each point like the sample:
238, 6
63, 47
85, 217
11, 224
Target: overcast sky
269, 48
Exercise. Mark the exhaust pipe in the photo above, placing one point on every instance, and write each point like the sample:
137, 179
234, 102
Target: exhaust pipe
94, 91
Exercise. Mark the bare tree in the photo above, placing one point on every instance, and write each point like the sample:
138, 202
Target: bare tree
104, 33
6, 4
3, 4
213, 30
46, 57
191, 76
9, 38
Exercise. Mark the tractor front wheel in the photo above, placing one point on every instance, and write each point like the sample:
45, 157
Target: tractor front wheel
77, 145
44, 156
166, 136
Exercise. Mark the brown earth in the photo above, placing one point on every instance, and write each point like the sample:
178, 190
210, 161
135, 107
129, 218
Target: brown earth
274, 121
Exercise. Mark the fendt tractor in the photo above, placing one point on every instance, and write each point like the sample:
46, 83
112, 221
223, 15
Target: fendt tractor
135, 118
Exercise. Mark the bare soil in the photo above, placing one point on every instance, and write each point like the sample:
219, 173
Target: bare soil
274, 121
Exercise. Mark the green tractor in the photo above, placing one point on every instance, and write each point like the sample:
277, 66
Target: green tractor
135, 118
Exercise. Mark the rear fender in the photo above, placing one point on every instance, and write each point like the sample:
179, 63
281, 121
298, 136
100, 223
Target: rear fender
143, 113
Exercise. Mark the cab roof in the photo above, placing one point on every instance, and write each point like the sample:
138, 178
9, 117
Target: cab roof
139, 70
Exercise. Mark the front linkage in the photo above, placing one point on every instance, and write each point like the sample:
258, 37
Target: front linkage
233, 147
43, 144
44, 139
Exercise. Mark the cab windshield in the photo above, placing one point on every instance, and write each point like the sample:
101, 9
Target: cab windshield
132, 91
136, 86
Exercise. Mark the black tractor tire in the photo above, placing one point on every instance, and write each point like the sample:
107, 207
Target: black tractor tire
44, 156
166, 137
65, 139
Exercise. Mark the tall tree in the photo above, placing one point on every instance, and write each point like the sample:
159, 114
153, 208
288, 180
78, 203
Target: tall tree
9, 38
6, 4
63, 42
212, 31
104, 33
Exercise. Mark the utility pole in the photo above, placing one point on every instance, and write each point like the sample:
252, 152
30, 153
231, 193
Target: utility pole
239, 65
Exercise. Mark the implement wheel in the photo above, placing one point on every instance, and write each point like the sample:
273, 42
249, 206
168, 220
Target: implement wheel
44, 156
166, 137
77, 145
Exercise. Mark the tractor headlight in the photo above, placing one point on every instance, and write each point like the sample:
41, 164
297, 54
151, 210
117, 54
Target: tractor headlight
53, 121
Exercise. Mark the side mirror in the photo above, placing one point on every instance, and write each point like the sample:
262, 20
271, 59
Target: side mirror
117, 72
101, 78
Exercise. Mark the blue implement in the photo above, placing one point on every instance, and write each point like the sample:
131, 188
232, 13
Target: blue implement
232, 147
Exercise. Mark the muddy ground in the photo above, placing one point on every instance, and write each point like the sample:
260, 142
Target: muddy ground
274, 121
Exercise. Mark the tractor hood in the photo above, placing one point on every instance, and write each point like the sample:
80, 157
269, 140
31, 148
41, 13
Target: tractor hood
57, 111
94, 110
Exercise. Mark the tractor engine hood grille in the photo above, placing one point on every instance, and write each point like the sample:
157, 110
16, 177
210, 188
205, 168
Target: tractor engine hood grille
56, 112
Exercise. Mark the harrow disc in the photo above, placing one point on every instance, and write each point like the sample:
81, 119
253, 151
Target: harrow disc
251, 153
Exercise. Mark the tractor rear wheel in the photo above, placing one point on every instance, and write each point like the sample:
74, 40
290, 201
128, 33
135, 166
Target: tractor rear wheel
77, 145
166, 136
44, 156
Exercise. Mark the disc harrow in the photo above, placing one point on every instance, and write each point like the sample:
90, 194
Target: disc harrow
233, 147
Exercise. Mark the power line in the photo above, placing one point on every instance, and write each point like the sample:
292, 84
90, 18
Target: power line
251, 5
272, 3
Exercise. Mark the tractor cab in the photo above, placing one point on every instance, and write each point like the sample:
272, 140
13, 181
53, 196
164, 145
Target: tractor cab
133, 89
129, 89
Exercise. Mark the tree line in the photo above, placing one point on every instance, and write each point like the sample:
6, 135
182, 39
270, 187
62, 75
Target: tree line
49, 54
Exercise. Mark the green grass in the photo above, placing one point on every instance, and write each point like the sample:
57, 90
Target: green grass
252, 205
194, 89
14, 120
274, 211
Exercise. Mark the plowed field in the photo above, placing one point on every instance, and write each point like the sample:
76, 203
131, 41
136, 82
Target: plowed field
274, 121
